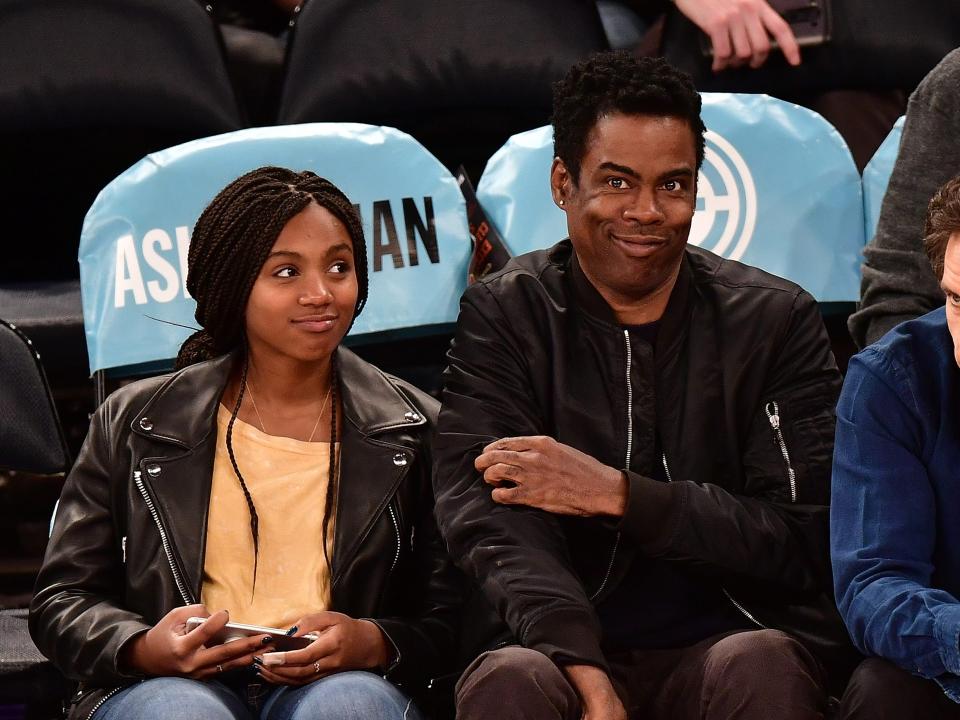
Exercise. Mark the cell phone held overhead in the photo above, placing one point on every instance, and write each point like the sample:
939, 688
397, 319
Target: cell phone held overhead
236, 631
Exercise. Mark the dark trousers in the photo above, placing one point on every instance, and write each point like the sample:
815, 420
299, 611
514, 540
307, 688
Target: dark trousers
879, 690
760, 674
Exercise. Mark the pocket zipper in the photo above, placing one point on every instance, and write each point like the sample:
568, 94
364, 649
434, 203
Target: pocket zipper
773, 415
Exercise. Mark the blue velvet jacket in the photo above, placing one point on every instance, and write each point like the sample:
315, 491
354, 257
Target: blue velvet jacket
895, 513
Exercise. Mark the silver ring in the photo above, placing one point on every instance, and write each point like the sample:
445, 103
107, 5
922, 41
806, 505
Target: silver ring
316, 667
219, 668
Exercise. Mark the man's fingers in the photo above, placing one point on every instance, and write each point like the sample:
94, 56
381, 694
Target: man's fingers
784, 36
492, 457
759, 41
507, 496
518, 444
500, 473
742, 52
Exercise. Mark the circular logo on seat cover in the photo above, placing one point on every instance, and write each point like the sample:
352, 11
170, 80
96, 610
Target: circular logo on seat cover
726, 201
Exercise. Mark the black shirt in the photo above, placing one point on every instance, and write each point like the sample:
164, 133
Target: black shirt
659, 603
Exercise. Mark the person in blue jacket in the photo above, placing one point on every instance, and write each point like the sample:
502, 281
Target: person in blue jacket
895, 513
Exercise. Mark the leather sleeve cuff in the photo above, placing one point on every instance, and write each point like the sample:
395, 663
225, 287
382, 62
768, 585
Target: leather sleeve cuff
654, 511
570, 636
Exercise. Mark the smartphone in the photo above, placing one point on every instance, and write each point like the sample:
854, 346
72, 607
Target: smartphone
236, 631
810, 21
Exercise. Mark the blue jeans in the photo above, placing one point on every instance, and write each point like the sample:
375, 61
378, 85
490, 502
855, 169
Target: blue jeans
352, 695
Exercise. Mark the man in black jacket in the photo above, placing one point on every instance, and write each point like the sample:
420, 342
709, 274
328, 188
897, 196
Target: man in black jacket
633, 455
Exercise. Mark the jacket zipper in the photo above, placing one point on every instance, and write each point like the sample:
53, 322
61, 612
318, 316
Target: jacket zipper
738, 606
774, 417
396, 528
102, 700
164, 538
616, 542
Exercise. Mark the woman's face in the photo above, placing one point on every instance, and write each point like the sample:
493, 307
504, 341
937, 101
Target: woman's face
303, 299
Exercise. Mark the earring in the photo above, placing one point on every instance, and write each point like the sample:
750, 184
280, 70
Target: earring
560, 202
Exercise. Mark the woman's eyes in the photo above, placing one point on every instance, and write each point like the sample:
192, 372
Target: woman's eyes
954, 299
288, 271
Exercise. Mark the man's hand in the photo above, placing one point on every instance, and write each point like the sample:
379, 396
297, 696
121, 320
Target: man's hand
167, 649
343, 644
540, 472
740, 31
597, 696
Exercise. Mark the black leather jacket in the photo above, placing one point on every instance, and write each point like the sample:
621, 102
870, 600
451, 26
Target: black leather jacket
128, 540
742, 401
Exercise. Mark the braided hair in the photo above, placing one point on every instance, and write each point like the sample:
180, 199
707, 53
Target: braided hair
230, 243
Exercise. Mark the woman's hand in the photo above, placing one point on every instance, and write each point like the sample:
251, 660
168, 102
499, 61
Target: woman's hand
343, 644
167, 649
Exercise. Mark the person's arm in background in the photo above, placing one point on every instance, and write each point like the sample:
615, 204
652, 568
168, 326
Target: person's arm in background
898, 283
883, 526
740, 31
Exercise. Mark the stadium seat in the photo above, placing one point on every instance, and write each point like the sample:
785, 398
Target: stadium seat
87, 89
876, 177
30, 442
133, 246
778, 189
460, 77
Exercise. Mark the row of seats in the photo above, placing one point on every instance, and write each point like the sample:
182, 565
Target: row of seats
87, 89
134, 239
116, 79
778, 190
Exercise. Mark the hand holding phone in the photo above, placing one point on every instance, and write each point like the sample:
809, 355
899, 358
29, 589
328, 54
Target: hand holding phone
234, 631
741, 32
168, 650
344, 643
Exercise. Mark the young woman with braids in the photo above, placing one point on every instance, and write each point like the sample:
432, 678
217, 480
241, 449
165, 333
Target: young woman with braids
275, 479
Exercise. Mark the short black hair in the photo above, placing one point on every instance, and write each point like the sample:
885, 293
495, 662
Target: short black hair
616, 82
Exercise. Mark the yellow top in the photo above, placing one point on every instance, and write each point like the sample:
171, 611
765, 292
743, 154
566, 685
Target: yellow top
287, 480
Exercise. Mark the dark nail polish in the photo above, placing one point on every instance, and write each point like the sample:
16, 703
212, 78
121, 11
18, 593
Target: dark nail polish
267, 640
257, 660
292, 631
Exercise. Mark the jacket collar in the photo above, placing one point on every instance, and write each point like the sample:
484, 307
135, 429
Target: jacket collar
675, 320
182, 410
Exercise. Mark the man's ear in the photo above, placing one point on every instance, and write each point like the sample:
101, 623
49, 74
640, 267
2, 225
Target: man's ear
561, 182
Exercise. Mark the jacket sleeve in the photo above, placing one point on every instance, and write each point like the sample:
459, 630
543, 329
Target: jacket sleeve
517, 555
775, 529
425, 641
898, 283
884, 526
76, 616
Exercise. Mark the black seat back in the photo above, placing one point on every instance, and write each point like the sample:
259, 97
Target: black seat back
461, 76
87, 89
31, 439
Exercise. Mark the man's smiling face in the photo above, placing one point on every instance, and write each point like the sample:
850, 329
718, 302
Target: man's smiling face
629, 212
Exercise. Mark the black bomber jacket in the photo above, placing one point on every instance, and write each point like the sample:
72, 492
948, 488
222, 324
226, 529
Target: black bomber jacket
745, 386
128, 540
